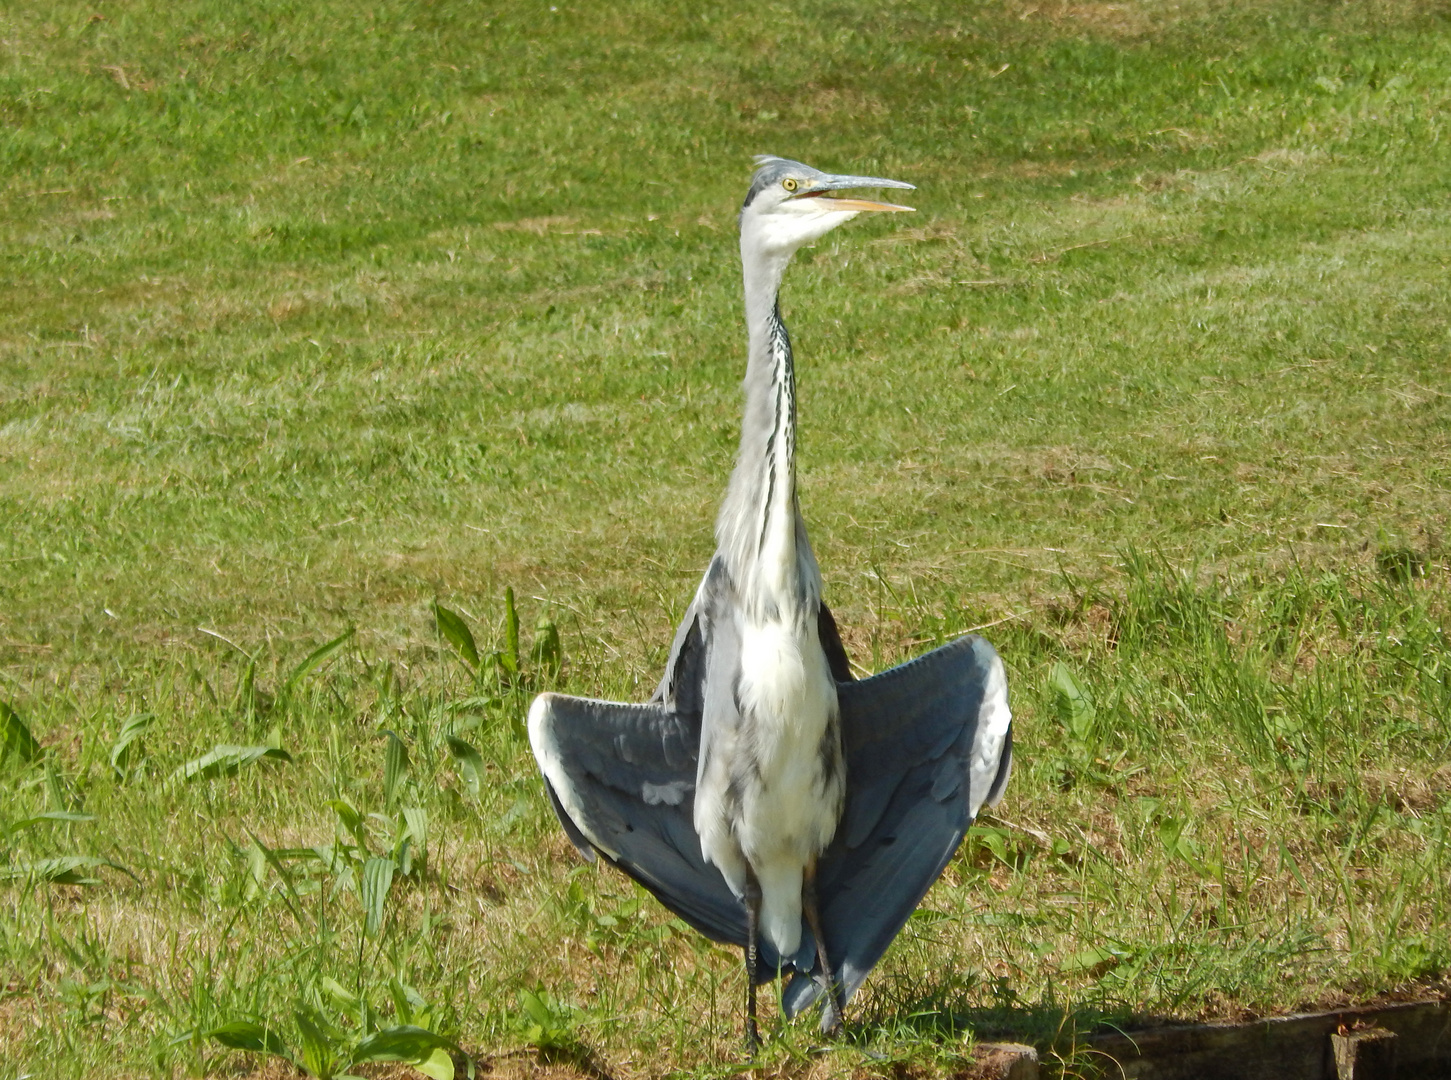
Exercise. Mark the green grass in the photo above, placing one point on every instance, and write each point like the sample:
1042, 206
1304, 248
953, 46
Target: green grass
314, 317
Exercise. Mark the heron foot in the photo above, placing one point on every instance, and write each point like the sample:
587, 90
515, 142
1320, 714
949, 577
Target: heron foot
831, 1018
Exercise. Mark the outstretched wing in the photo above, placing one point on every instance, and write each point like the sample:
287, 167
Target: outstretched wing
622, 780
926, 743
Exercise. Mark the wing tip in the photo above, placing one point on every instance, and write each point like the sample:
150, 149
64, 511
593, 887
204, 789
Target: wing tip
566, 799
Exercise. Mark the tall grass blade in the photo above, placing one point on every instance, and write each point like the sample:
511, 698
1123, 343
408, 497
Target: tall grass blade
408, 1004
274, 860
456, 632
249, 699
62, 794
49, 815
546, 654
511, 632
315, 659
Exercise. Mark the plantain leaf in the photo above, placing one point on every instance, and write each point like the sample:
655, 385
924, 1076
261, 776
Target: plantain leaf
417, 822
338, 994
377, 880
62, 870
317, 1049
1094, 960
550, 1024
224, 759
536, 1007
351, 820
395, 765
15, 738
245, 1035
456, 632
470, 764
131, 732
1073, 704
438, 1065
256, 871
408, 1043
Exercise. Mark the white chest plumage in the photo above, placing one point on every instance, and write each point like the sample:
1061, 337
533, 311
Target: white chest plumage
771, 795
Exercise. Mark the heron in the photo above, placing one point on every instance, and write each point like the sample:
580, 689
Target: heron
764, 794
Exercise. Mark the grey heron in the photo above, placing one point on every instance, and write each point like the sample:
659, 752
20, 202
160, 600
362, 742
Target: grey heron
763, 794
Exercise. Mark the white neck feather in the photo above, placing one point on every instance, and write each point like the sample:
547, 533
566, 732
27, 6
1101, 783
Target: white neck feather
760, 531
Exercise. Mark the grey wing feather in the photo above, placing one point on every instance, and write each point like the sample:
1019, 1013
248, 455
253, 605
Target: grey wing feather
621, 779
927, 743
680, 686
836, 658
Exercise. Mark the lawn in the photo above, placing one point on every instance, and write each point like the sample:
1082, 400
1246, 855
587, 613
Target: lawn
317, 317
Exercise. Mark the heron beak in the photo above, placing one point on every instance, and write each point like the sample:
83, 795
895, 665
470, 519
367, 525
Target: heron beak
829, 185
868, 205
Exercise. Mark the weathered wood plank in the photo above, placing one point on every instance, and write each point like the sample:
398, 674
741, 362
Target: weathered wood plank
1280, 1048
1364, 1054
1005, 1061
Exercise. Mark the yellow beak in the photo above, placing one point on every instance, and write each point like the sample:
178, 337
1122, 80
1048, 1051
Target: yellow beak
867, 204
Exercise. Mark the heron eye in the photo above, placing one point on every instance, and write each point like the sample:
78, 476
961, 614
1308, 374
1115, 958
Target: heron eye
789, 184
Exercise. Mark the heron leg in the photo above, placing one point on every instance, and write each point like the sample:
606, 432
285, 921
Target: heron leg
753, 927
831, 1020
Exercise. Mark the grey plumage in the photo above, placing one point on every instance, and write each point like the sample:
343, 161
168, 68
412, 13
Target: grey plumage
762, 794
908, 736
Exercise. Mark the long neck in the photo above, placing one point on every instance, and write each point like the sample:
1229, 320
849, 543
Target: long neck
760, 532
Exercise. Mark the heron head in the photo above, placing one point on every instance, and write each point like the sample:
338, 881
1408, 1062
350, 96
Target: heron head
791, 204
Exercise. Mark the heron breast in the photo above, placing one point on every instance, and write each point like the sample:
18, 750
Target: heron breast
793, 793
785, 681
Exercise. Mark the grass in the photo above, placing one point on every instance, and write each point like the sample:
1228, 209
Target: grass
315, 317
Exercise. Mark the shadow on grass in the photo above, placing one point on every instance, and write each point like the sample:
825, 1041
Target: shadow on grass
582, 1059
942, 1014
